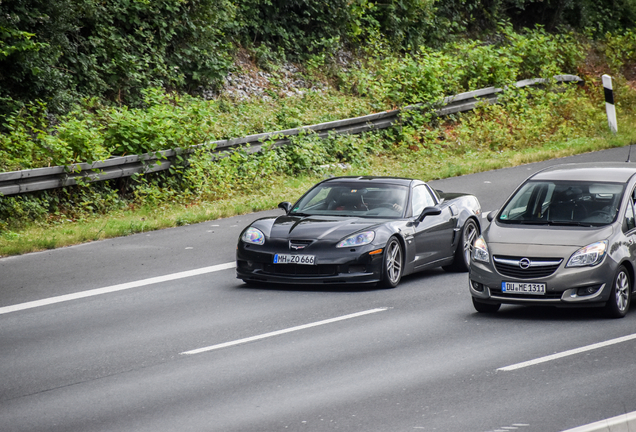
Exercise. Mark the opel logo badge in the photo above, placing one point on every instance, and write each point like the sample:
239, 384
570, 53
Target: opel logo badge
524, 263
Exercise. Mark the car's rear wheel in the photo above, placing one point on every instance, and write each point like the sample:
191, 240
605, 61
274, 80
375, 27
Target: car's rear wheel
620, 295
469, 234
482, 307
393, 264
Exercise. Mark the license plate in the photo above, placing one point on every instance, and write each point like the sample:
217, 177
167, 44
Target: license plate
523, 288
294, 259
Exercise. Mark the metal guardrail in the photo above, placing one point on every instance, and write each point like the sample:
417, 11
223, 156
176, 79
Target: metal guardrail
25, 181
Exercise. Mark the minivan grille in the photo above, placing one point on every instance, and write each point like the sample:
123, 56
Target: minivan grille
526, 268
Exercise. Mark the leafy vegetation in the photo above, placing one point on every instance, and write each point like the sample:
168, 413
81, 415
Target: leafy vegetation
94, 130
61, 51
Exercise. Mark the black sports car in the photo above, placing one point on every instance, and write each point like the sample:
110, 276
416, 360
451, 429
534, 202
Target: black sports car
360, 230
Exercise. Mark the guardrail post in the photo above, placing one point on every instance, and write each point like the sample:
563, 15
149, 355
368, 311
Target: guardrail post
609, 103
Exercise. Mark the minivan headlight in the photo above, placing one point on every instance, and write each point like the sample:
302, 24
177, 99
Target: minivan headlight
589, 255
480, 250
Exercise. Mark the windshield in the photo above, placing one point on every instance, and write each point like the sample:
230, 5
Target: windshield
563, 203
341, 199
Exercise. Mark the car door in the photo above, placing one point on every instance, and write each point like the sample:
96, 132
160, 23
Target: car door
433, 235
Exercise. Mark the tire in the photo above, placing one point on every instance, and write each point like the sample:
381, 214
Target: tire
485, 307
392, 264
461, 260
620, 295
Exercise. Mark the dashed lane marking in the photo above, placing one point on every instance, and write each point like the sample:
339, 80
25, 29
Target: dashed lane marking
115, 288
284, 331
568, 353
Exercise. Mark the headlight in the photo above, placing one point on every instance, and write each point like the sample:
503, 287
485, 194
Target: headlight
589, 255
480, 250
357, 239
254, 236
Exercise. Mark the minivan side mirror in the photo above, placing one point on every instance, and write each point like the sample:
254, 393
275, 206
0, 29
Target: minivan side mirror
285, 205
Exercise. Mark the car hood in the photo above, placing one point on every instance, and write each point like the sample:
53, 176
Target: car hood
546, 235
314, 227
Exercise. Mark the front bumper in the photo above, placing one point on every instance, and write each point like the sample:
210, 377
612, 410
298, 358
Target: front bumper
566, 287
340, 266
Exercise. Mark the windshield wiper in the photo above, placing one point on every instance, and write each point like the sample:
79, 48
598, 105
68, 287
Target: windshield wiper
524, 222
571, 223
549, 223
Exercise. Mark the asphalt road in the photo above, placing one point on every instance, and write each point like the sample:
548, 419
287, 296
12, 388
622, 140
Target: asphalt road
301, 359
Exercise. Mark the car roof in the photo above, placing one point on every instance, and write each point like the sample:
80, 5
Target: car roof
619, 172
368, 180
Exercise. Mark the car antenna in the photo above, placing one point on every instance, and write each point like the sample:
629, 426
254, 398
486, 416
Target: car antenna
629, 153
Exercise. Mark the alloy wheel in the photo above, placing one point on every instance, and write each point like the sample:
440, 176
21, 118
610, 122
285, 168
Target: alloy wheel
470, 235
622, 288
394, 262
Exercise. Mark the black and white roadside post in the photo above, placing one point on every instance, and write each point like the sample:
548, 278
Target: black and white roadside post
609, 103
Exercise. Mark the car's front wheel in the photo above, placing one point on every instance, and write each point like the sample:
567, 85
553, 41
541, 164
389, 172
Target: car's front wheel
482, 307
392, 264
620, 295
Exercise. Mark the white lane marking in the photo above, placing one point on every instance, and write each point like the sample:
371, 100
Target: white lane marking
568, 353
280, 332
623, 422
114, 288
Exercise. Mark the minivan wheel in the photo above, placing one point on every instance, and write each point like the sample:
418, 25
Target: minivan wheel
482, 307
620, 295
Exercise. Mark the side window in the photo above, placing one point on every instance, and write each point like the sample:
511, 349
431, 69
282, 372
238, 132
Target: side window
421, 198
630, 222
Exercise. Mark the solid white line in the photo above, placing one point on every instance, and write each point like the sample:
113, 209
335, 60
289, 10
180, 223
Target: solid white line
623, 422
280, 332
568, 353
114, 288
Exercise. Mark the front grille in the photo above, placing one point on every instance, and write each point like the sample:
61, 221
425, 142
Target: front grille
299, 244
301, 270
536, 267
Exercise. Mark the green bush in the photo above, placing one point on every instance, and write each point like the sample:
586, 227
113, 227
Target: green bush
598, 16
428, 75
620, 49
27, 143
61, 51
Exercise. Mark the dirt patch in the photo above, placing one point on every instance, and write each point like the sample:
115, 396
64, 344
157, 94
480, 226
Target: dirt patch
247, 81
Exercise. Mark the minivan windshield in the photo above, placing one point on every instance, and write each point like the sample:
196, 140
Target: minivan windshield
573, 203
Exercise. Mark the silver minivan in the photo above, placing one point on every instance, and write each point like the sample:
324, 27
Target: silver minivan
566, 237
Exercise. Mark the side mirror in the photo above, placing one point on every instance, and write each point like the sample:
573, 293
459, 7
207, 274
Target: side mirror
285, 205
491, 215
429, 211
